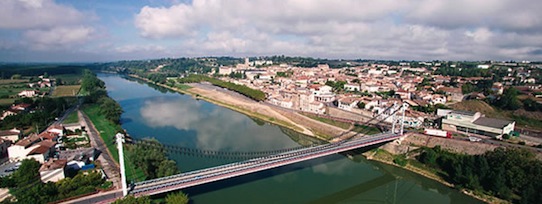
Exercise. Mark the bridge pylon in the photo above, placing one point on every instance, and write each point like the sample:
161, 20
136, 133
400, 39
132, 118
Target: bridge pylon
403, 110
120, 140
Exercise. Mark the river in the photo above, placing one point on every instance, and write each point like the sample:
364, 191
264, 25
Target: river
181, 120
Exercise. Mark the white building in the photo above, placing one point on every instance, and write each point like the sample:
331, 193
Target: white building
348, 103
352, 87
53, 170
475, 122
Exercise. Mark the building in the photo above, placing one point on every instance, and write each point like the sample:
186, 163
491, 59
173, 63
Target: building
28, 93
53, 170
31, 147
475, 122
352, 87
11, 135
348, 103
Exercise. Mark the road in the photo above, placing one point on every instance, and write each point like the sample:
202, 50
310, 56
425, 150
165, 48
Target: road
110, 166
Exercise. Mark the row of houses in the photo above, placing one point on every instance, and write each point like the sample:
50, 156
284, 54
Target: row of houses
46, 149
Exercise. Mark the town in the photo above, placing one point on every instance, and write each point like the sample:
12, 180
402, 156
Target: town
438, 96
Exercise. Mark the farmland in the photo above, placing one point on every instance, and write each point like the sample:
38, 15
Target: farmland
69, 90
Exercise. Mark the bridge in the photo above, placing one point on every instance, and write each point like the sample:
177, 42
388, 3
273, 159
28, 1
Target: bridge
203, 176
264, 161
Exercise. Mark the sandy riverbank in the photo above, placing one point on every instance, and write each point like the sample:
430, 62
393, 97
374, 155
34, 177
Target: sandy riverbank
260, 110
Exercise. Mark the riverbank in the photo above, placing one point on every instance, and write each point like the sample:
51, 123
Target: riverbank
407, 150
240, 104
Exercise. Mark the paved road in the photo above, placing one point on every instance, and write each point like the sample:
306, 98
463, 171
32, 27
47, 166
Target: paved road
111, 167
102, 197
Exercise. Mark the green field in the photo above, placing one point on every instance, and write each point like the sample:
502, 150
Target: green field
71, 90
72, 118
6, 101
107, 131
68, 78
13, 81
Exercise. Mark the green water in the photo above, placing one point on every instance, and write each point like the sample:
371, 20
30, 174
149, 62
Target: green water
177, 119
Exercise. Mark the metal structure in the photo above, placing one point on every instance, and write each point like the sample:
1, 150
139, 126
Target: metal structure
120, 141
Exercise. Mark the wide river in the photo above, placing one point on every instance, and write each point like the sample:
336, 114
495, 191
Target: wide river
180, 120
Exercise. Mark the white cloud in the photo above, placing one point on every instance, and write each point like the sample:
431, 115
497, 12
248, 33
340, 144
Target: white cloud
58, 37
139, 48
418, 29
32, 14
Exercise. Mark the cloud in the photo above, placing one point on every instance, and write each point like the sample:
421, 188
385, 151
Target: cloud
37, 14
58, 37
139, 48
417, 29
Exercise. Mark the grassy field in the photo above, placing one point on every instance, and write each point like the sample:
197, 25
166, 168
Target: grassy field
366, 129
13, 81
70, 90
107, 131
342, 125
69, 78
72, 118
6, 101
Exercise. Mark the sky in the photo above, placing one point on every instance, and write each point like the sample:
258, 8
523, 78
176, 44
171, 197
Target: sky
105, 30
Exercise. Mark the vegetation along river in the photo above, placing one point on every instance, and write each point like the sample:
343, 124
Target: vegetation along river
181, 120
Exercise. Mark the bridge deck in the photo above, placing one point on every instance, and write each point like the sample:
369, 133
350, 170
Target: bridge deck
198, 177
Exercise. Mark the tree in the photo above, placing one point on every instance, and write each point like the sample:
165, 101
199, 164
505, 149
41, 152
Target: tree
361, 105
177, 198
167, 168
467, 88
509, 100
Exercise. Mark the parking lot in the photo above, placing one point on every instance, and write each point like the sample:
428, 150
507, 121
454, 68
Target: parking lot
8, 168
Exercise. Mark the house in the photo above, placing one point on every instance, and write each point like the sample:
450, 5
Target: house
352, 87
31, 147
43, 151
56, 129
438, 99
21, 148
53, 170
11, 135
15, 109
348, 103
475, 122
403, 94
28, 93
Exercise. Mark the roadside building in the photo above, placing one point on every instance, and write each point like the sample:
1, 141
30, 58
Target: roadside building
475, 122
53, 170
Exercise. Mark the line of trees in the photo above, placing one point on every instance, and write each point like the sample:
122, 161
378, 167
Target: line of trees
242, 89
511, 174
96, 93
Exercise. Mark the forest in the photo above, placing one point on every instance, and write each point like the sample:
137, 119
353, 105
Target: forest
511, 174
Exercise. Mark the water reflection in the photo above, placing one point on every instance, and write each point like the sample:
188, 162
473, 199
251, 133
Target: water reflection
215, 128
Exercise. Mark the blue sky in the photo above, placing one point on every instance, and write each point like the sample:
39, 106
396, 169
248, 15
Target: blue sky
103, 30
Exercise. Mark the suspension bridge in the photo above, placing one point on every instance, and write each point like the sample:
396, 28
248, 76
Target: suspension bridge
263, 161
